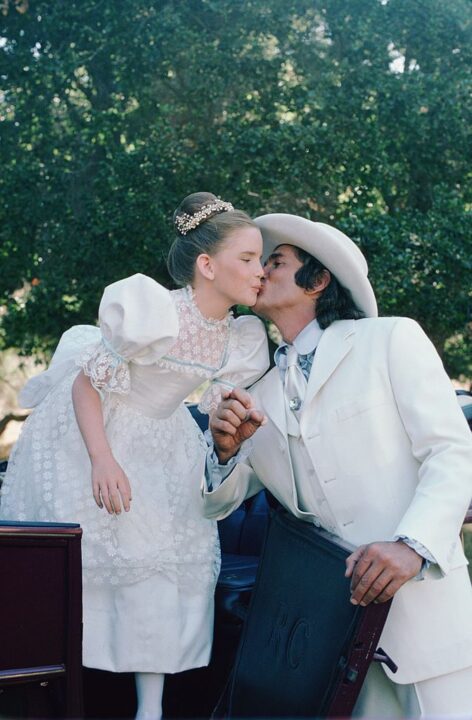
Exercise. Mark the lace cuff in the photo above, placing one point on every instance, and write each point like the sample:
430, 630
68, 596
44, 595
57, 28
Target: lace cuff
108, 371
212, 395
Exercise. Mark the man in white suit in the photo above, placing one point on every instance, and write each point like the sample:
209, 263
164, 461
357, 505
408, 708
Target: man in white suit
360, 434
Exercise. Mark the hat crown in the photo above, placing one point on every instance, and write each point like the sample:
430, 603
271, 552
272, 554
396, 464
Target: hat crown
335, 250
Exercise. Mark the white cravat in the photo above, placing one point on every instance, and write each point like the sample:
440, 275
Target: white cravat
295, 386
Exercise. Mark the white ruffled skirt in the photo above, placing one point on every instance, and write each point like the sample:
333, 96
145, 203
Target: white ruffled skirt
149, 574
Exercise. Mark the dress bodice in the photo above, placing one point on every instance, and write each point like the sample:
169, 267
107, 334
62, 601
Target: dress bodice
205, 350
154, 347
157, 391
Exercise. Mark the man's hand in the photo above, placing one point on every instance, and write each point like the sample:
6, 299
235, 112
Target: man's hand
378, 570
234, 420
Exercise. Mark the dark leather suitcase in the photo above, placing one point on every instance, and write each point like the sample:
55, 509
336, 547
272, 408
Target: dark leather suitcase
305, 648
40, 620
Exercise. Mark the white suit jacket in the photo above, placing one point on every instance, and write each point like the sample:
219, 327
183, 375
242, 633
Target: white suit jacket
393, 454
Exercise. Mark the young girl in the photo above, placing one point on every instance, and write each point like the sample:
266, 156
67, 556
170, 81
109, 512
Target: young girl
111, 445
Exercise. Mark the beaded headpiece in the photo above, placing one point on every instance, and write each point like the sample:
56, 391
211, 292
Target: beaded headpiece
186, 222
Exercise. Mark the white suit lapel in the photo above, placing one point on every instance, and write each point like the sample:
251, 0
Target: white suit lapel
334, 345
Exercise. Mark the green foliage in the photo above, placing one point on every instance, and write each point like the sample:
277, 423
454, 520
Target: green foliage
421, 264
353, 113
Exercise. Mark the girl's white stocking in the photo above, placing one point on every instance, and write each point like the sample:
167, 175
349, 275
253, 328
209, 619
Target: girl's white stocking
149, 689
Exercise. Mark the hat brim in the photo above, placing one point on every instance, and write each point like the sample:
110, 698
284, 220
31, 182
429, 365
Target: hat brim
335, 250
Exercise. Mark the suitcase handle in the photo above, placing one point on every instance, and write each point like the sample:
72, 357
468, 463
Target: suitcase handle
381, 656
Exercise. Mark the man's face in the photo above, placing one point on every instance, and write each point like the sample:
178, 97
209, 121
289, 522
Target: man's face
279, 291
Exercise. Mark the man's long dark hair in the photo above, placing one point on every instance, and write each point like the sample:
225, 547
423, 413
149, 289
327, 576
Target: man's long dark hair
335, 302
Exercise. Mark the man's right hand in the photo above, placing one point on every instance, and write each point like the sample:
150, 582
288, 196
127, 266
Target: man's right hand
234, 421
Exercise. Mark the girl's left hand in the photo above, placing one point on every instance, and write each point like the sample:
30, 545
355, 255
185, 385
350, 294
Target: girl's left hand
110, 484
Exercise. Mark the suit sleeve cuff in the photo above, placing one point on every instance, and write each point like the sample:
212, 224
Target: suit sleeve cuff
215, 473
421, 550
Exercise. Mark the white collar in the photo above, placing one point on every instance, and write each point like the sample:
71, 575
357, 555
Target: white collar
306, 342
307, 339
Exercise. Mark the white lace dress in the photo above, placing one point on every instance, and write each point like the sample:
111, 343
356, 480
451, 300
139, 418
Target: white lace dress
149, 574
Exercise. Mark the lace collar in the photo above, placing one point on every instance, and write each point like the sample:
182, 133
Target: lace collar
188, 295
203, 343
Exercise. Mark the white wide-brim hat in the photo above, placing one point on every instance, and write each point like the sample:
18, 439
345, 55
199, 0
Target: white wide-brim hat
330, 246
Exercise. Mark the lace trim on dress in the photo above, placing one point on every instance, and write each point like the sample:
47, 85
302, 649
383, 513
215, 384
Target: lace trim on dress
189, 295
203, 343
108, 370
212, 395
204, 371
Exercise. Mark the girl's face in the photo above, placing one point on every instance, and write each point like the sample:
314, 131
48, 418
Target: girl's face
236, 267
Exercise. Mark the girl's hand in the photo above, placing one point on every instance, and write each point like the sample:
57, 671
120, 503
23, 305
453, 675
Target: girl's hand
110, 485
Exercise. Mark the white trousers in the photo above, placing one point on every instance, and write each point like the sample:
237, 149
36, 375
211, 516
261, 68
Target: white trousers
445, 696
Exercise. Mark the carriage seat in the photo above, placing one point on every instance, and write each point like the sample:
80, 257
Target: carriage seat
241, 537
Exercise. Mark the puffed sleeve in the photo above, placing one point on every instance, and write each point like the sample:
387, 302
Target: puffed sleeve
138, 321
248, 360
